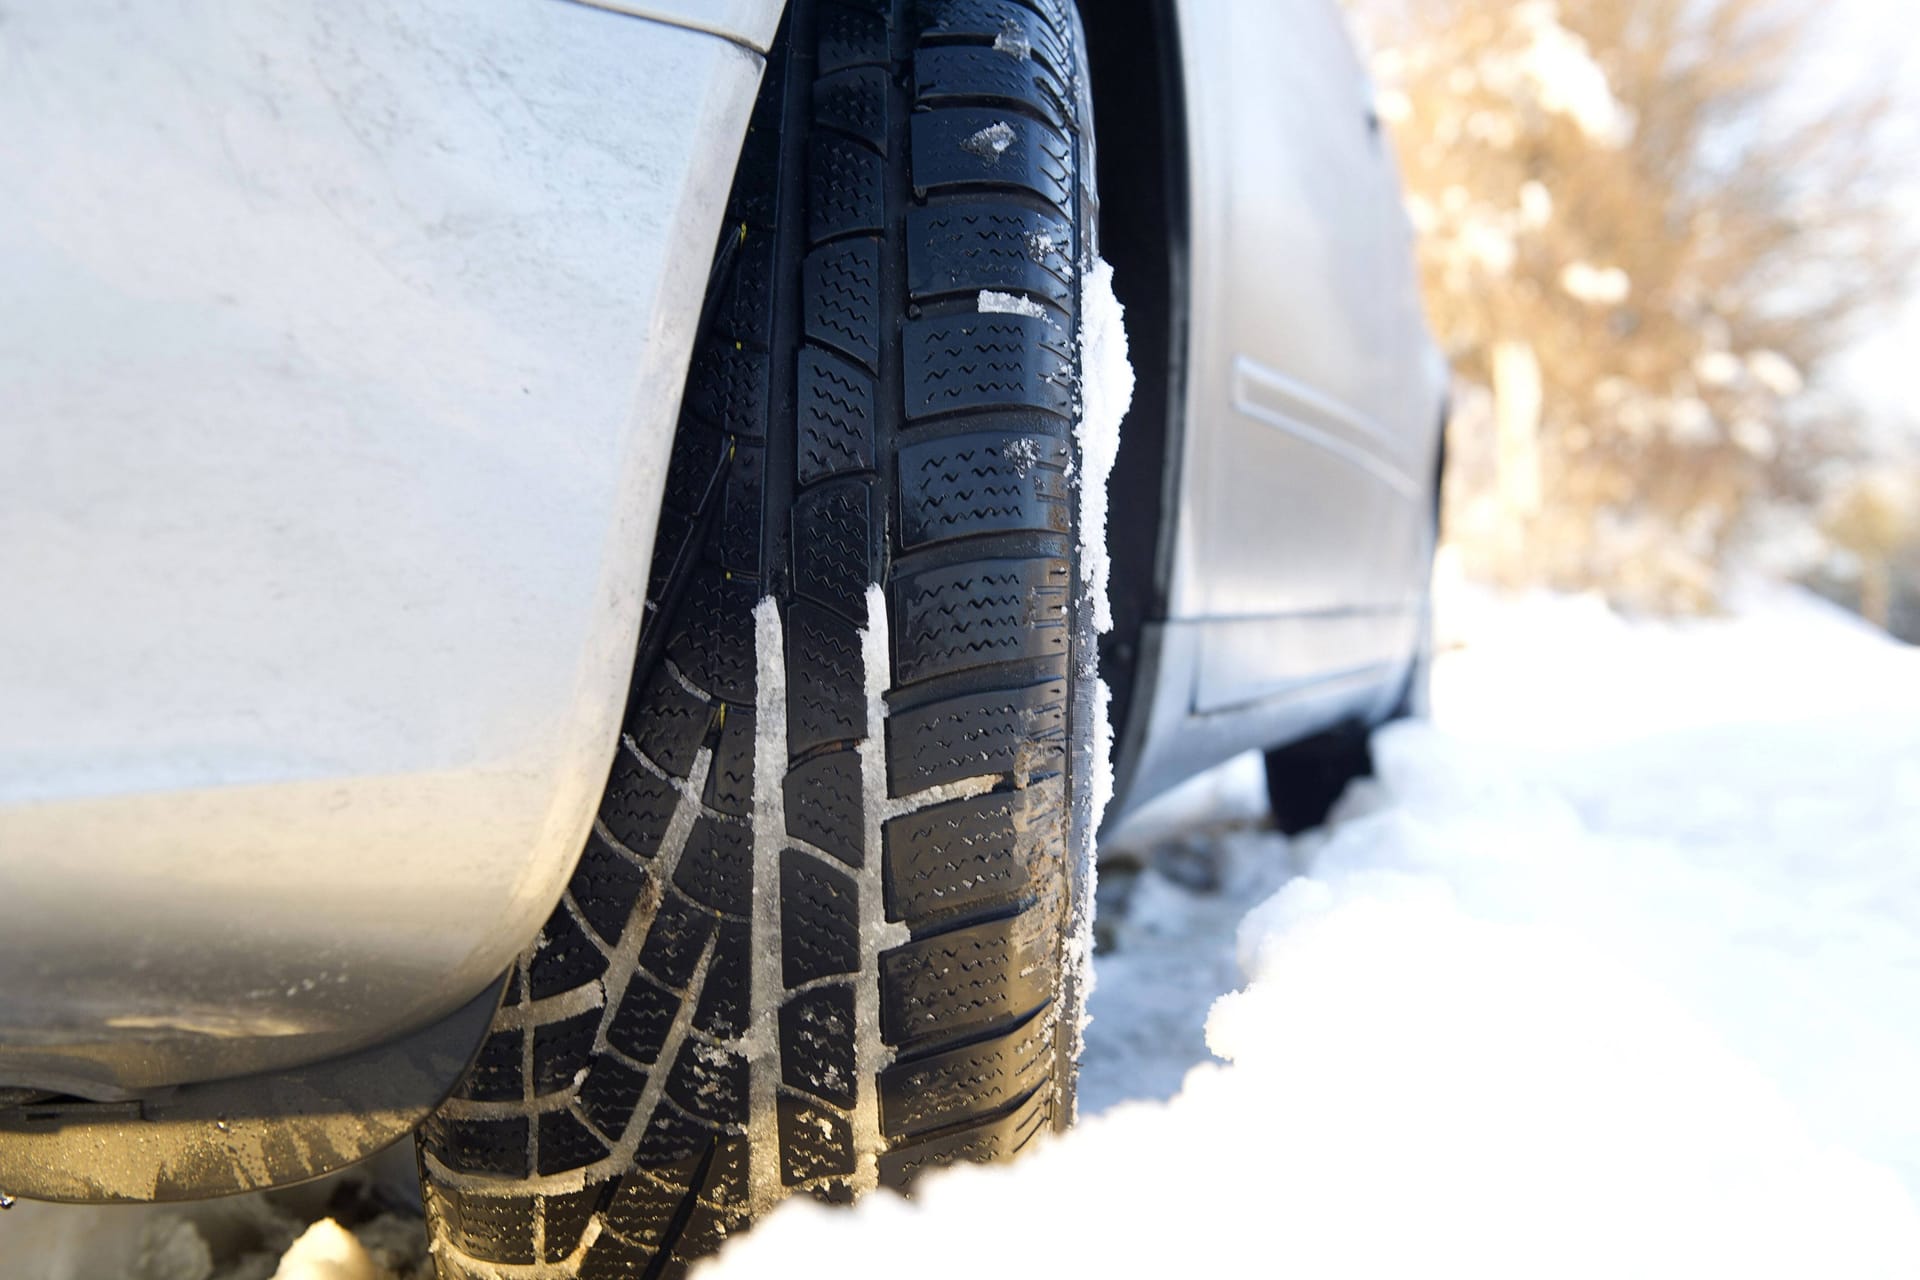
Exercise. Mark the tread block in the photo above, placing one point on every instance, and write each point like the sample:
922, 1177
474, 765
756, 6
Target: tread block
707, 1229
840, 291
710, 1082
987, 482
675, 937
672, 543
972, 615
481, 1146
960, 982
727, 386
643, 1210
495, 1074
609, 1094
713, 646
1014, 731
726, 1181
967, 854
639, 803
730, 775
673, 1198
565, 1218
952, 75
850, 36
605, 888
961, 148
990, 361
816, 1043
693, 468
754, 203
826, 680
819, 919
824, 805
667, 722
835, 416
967, 1083
723, 1009
673, 1136
562, 1050
963, 248
494, 1228
736, 540
746, 310
990, 1141
716, 868
563, 957
516, 983
984, 21
855, 101
833, 547
845, 191
565, 1143
815, 1141
640, 1026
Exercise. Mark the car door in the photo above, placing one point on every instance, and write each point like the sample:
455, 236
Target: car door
1314, 391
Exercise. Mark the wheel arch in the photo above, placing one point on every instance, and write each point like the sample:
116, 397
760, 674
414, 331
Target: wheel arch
1133, 49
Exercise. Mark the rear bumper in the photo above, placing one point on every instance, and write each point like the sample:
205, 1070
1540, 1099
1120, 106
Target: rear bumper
340, 350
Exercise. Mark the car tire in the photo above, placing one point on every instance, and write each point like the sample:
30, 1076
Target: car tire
830, 927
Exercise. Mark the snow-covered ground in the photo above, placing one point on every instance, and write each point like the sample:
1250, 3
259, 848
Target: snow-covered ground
1614, 970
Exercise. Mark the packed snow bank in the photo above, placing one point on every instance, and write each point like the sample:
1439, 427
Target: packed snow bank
1563, 672
1616, 971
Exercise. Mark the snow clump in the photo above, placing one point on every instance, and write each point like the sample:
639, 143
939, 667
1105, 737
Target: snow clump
991, 142
1013, 41
1106, 393
993, 302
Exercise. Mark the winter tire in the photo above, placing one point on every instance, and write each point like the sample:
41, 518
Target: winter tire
828, 930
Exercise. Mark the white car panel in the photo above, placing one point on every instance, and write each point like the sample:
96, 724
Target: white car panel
340, 349
749, 22
1304, 504
1313, 397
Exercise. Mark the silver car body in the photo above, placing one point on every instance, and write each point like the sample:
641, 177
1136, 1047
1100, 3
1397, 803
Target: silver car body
340, 353
1304, 514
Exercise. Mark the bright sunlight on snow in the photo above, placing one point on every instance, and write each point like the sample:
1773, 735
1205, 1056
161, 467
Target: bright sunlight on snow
1614, 970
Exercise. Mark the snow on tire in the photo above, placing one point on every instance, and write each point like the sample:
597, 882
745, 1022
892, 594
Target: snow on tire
830, 928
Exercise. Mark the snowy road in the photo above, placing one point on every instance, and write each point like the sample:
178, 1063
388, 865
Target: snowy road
1615, 970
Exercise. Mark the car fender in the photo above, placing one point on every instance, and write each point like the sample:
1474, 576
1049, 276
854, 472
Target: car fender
341, 347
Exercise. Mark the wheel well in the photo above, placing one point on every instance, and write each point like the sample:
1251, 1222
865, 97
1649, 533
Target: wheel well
1133, 51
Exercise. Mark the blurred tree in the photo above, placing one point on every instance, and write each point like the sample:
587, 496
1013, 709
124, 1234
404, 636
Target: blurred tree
1643, 247
1876, 517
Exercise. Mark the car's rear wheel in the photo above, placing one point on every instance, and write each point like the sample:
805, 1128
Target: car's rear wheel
828, 930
